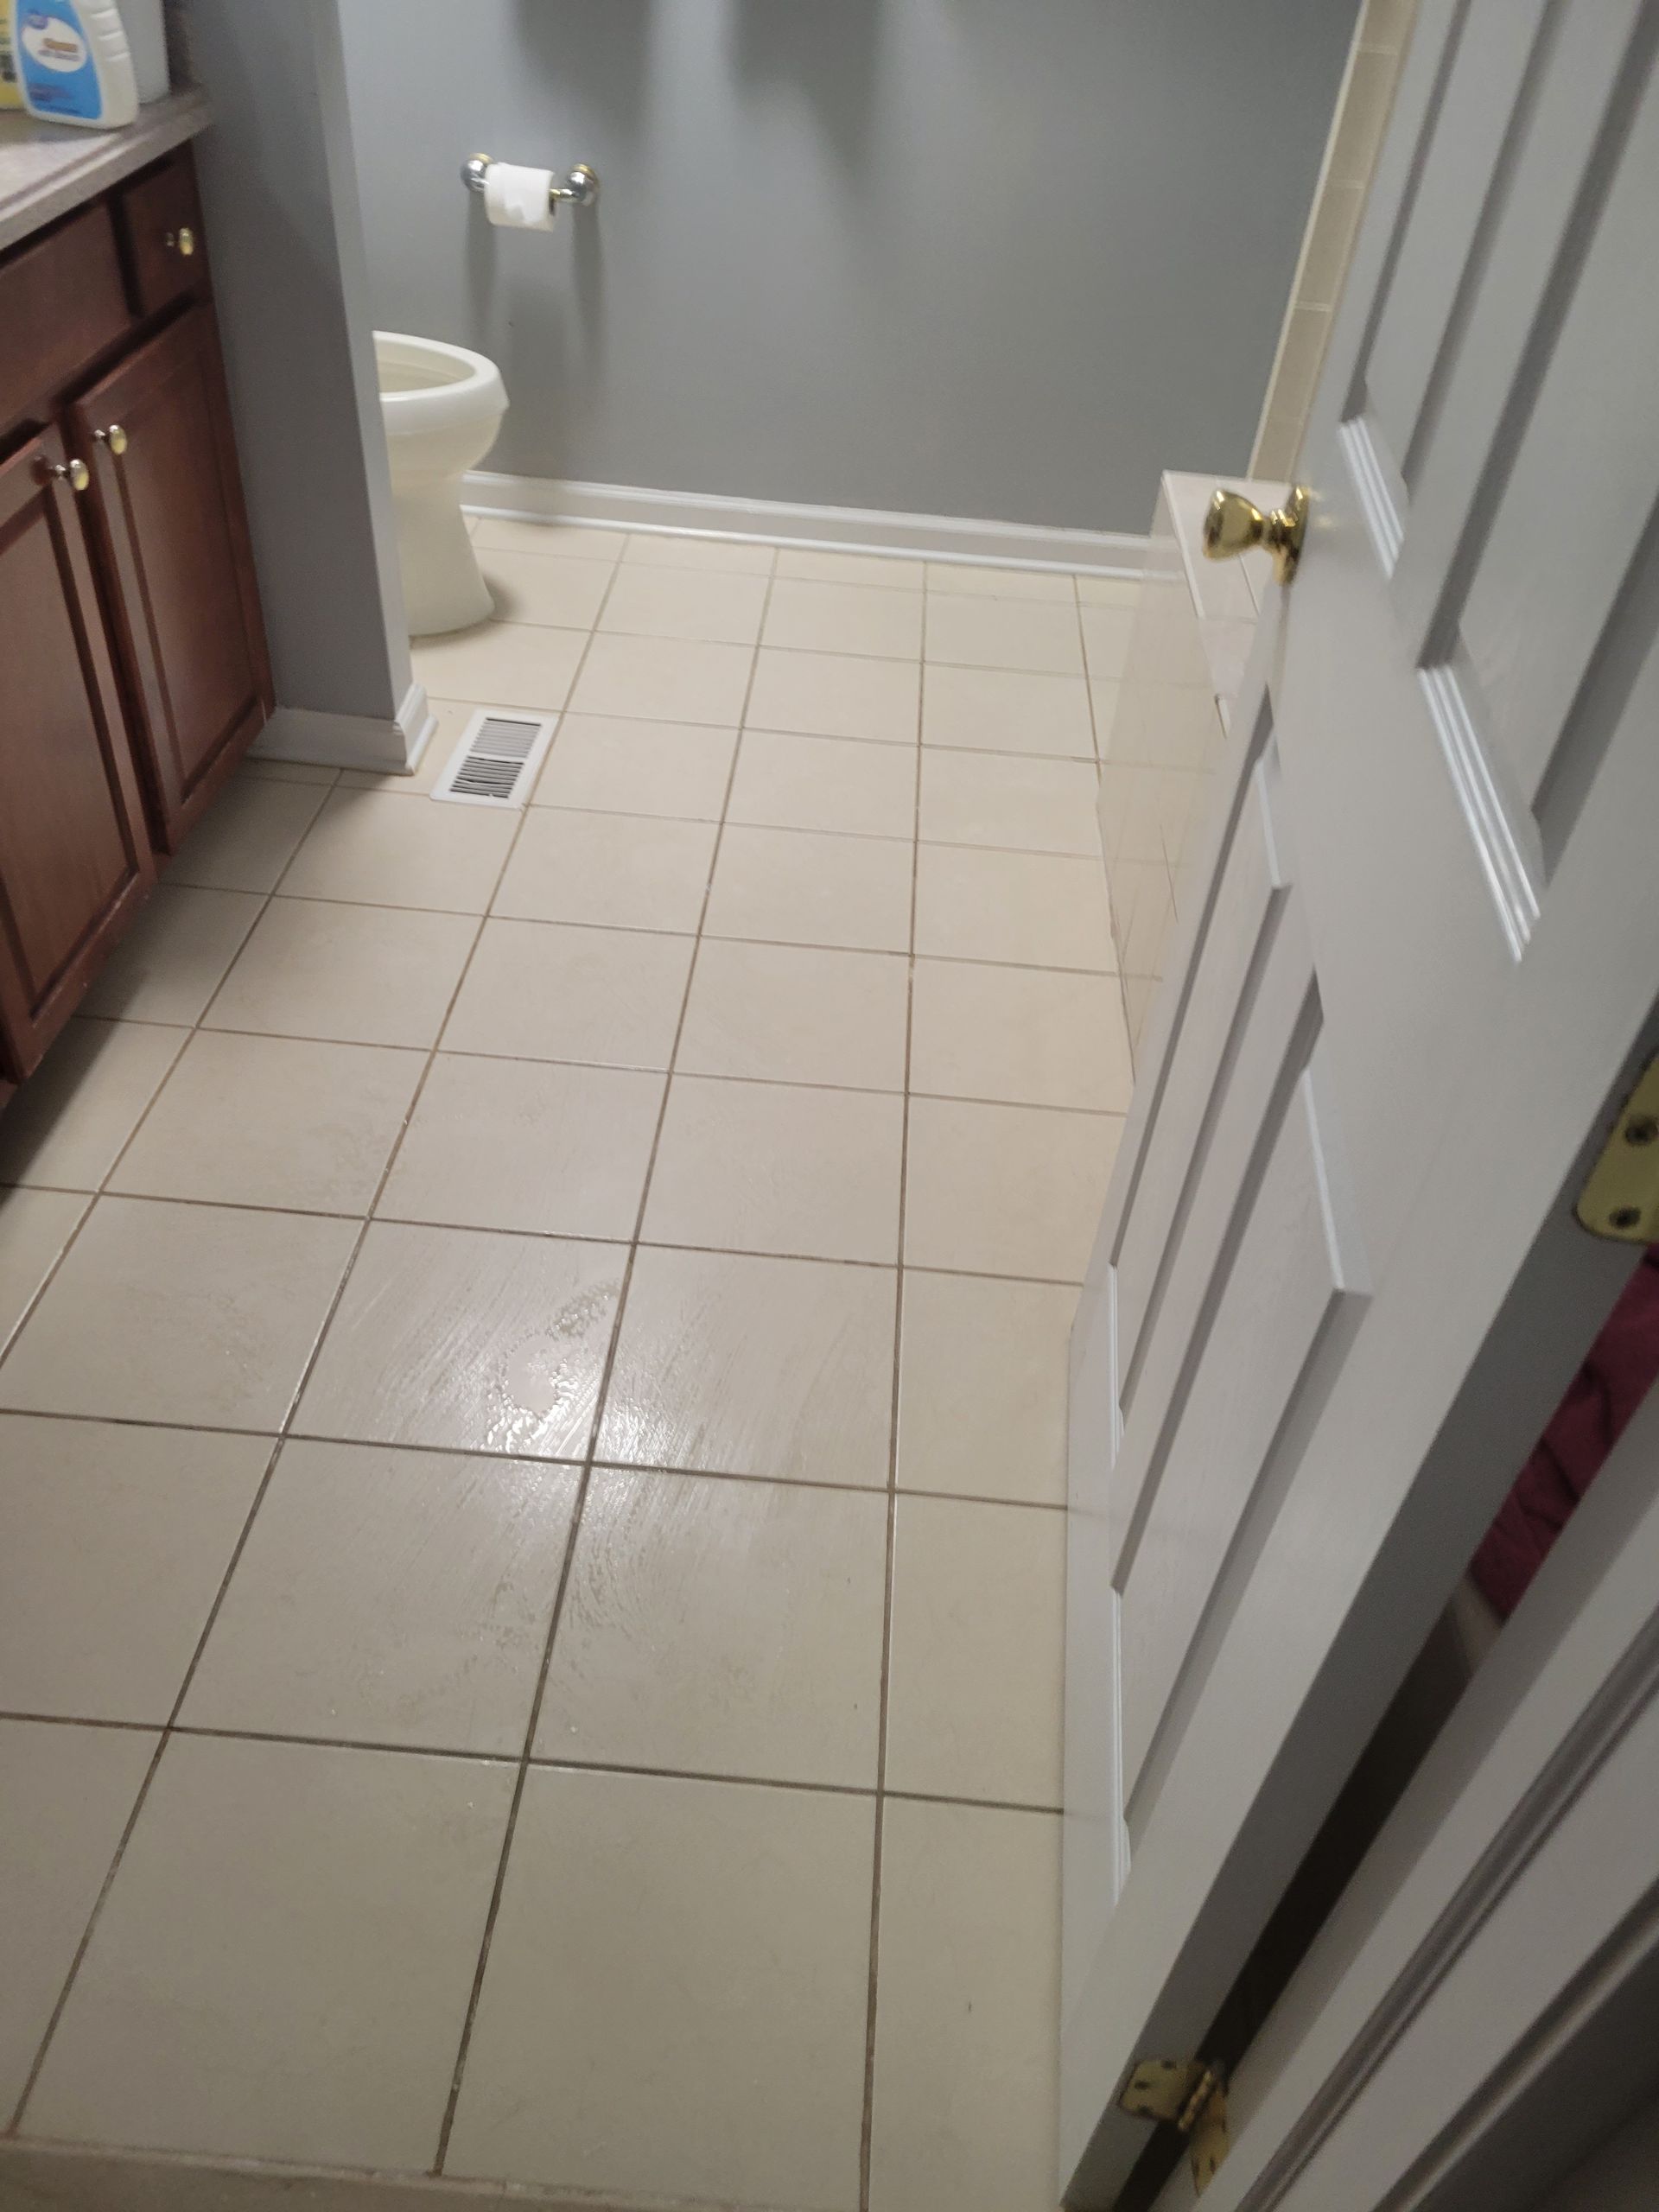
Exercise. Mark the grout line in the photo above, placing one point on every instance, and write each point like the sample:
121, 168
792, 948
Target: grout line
867, 2130
609, 1462
584, 1483
564, 1764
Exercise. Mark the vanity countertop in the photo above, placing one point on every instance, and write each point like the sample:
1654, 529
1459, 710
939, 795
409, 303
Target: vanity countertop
46, 169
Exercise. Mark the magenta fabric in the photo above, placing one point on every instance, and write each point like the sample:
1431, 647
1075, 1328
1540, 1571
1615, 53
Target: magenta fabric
1622, 1365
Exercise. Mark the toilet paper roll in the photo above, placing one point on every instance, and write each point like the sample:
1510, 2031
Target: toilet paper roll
518, 198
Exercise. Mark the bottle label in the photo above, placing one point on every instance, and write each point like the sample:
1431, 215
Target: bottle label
55, 62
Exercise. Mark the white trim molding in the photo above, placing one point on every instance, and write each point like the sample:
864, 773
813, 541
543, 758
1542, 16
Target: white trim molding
326, 741
861, 529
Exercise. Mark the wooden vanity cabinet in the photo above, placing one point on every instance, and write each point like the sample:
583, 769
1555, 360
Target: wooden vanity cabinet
165, 501
75, 857
133, 667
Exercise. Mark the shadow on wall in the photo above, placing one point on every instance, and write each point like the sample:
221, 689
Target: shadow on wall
605, 48
828, 56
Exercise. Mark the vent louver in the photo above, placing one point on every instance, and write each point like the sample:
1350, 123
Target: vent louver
495, 762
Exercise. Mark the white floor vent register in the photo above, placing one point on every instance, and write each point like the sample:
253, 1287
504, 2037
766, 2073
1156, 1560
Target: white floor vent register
495, 762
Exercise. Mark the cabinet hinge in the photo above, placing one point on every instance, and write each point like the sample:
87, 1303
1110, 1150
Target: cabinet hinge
1191, 2095
1620, 1197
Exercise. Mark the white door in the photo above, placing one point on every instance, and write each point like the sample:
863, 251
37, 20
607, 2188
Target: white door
1338, 1287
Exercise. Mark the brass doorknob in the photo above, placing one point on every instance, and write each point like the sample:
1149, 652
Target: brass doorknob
115, 438
74, 473
1235, 525
183, 240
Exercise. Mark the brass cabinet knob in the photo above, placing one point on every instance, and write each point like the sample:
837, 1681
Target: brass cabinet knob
115, 438
183, 240
1235, 525
74, 473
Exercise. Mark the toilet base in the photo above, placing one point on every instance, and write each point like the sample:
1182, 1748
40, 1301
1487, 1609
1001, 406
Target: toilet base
444, 587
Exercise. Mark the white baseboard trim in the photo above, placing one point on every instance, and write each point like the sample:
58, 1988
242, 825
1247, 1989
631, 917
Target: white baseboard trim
843, 530
325, 741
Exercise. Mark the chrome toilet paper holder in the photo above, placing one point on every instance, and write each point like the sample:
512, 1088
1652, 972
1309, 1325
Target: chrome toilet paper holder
579, 189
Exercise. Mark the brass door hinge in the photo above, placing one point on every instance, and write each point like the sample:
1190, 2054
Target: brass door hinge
1191, 2095
1620, 1197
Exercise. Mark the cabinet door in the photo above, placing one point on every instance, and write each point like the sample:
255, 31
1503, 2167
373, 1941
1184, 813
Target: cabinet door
74, 855
167, 499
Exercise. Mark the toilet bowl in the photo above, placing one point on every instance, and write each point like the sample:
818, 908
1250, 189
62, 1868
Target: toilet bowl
442, 408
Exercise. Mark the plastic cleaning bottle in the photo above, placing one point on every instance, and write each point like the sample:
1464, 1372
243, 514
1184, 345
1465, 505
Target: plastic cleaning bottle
11, 93
73, 63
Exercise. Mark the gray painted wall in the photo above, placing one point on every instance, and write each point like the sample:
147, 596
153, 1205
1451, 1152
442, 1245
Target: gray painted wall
280, 205
1004, 258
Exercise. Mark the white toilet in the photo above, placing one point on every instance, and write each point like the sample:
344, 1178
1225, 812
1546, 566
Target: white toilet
443, 407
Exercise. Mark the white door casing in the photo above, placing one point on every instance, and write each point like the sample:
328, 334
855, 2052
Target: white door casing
1338, 1289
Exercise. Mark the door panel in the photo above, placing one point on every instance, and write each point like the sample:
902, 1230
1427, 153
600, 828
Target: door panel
169, 509
1221, 968
1338, 1287
74, 861
1294, 1263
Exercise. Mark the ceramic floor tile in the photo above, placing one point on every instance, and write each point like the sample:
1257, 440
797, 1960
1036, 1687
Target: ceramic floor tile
824, 783
991, 798
617, 871
375, 849
723, 1628
64, 1128
768, 1167
1104, 697
967, 2030
796, 887
844, 617
1006, 1190
467, 1341
539, 587
1004, 633
753, 1366
502, 663
704, 604
248, 835
283, 1966
113, 1543
1024, 1035
1007, 710
354, 975
34, 1226
1106, 633
554, 991
398, 1597
449, 717
65, 1795
199, 1314
568, 541
609, 766
667, 549
273, 1122
894, 571
967, 580
978, 1655
530, 1144
1108, 591
708, 1939
287, 771
983, 1384
1034, 909
664, 679
834, 695
174, 957
787, 1014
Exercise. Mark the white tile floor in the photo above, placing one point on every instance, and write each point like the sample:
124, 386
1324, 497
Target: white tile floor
531, 1417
